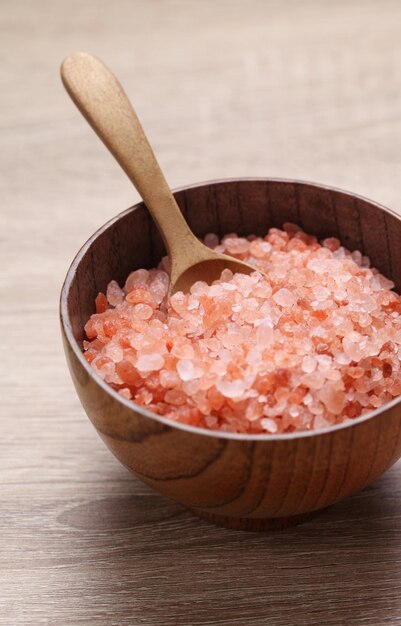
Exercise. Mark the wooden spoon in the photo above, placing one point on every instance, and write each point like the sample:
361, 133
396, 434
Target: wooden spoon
104, 104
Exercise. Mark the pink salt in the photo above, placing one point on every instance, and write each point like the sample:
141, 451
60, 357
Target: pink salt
314, 343
114, 294
284, 297
149, 362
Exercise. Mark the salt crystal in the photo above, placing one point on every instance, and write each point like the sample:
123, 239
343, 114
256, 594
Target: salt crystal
101, 303
211, 240
259, 248
143, 396
332, 398
193, 304
308, 364
324, 361
231, 339
254, 357
125, 393
230, 389
254, 410
385, 283
158, 287
264, 334
375, 401
139, 277
320, 292
114, 294
165, 264
269, 424
342, 359
114, 351
331, 243
187, 370
316, 266
175, 397
211, 422
215, 290
355, 372
352, 349
333, 374
317, 409
198, 288
321, 422
183, 350
284, 297
191, 387
291, 229
294, 410
149, 362
236, 245
357, 257
169, 378
143, 311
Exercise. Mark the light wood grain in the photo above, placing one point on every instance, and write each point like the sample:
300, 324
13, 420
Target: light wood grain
304, 89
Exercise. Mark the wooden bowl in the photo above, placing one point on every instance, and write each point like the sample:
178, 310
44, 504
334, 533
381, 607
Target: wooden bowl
253, 482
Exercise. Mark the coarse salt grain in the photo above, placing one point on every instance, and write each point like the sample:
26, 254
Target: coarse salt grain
187, 370
314, 342
284, 297
149, 362
231, 389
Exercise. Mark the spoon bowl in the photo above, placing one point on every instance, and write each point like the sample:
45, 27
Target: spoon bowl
208, 270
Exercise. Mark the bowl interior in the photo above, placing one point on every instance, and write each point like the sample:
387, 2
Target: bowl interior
251, 206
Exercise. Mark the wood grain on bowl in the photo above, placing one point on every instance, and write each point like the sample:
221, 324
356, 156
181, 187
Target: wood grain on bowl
249, 482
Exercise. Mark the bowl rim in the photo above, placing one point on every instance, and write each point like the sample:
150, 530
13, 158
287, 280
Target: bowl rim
195, 430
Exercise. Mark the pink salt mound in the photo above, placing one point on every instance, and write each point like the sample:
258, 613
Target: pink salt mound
316, 343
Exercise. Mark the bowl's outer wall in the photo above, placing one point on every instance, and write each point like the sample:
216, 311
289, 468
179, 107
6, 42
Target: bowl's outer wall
247, 478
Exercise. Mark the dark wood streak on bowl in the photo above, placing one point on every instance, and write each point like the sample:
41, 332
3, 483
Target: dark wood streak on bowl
249, 482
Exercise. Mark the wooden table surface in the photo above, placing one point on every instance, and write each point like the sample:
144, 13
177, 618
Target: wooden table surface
307, 89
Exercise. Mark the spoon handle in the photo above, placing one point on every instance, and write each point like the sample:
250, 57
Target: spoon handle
103, 102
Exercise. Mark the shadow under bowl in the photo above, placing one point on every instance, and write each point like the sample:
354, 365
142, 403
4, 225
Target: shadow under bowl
253, 482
